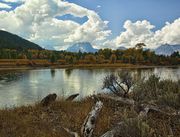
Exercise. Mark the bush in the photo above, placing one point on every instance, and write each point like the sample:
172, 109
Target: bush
136, 128
119, 84
162, 92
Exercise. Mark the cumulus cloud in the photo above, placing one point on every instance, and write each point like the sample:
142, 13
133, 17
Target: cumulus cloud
36, 20
169, 34
4, 6
13, 1
142, 32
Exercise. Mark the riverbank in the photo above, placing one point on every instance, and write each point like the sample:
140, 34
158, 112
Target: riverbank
88, 66
26, 64
151, 109
38, 121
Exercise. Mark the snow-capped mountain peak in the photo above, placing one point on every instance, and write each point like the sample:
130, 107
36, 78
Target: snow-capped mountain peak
83, 47
167, 49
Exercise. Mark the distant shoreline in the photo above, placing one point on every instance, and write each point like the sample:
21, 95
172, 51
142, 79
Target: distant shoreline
84, 66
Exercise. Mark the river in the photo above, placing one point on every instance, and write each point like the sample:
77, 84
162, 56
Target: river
29, 86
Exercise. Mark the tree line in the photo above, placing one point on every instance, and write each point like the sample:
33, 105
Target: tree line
136, 55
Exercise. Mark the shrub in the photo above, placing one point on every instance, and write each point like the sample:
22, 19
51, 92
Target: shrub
119, 84
135, 127
162, 92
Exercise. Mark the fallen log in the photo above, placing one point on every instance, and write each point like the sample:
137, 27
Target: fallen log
90, 121
145, 109
152, 108
156, 109
116, 130
72, 97
119, 99
48, 99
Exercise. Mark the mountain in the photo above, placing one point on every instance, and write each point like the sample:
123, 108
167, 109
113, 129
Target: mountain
122, 48
167, 50
12, 41
83, 47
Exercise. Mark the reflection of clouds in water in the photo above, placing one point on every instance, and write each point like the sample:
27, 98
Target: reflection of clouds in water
35, 84
1, 85
15, 96
165, 73
34, 81
142, 73
84, 81
78, 82
72, 82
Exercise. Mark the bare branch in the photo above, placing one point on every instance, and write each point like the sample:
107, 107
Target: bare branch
116, 83
73, 134
118, 99
142, 114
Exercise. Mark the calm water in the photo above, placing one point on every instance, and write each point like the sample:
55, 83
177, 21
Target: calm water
27, 87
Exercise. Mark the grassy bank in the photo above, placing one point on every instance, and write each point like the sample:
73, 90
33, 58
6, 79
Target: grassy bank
38, 121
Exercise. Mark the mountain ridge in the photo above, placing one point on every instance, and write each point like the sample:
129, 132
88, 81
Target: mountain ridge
13, 41
83, 47
167, 49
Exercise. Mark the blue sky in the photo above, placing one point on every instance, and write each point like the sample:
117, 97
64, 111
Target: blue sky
104, 23
118, 11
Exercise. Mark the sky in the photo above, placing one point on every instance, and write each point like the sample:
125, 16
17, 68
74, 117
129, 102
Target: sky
57, 24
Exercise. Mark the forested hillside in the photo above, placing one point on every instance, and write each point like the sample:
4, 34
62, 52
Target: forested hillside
11, 41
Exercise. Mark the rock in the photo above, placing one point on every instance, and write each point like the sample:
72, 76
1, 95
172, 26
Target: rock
48, 99
72, 97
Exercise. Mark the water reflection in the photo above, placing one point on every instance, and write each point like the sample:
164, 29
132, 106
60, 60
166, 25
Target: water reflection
53, 71
8, 77
68, 71
32, 85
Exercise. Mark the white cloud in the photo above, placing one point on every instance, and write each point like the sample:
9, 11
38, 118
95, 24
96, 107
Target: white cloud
142, 32
13, 1
169, 34
36, 21
98, 6
4, 6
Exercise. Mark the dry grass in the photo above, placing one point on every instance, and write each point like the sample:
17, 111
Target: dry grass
38, 121
59, 63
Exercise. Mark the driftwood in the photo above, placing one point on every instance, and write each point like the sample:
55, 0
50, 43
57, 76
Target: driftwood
145, 109
115, 131
118, 99
72, 97
90, 121
71, 133
48, 99
131, 102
